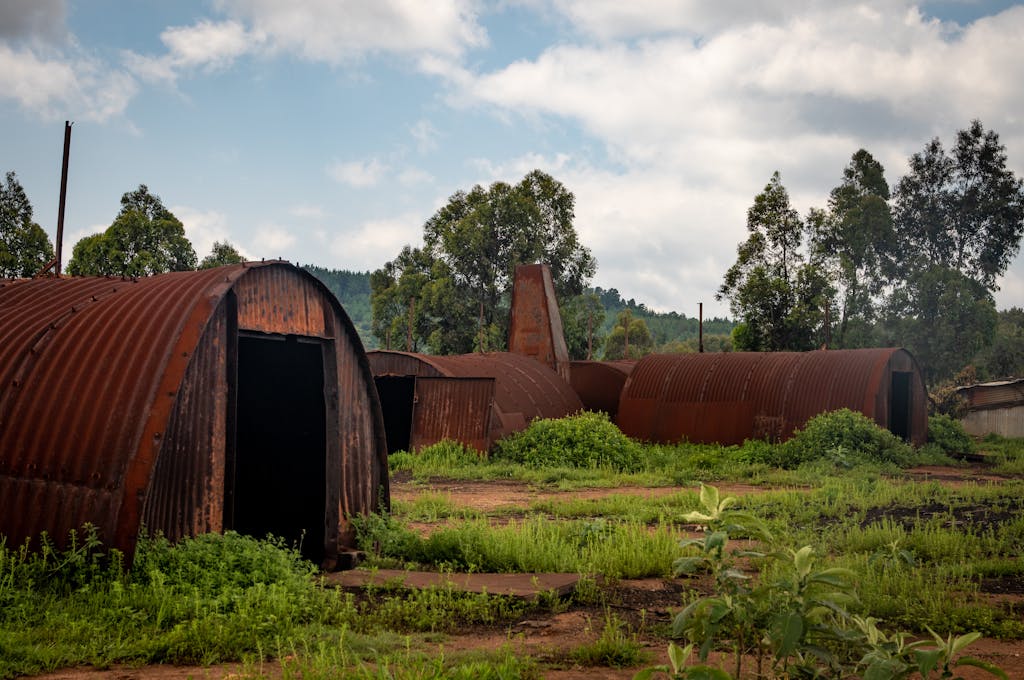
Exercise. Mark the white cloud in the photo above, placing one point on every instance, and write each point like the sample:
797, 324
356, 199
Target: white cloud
359, 174
376, 241
203, 228
206, 44
425, 134
413, 176
272, 241
311, 212
56, 86
32, 19
337, 31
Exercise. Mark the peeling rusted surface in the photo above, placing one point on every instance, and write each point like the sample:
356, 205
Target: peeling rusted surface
524, 388
599, 383
535, 326
733, 396
452, 408
115, 398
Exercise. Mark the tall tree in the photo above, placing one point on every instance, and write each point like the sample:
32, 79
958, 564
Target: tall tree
630, 338
471, 248
582, 319
145, 238
963, 211
959, 219
855, 239
222, 253
24, 246
778, 296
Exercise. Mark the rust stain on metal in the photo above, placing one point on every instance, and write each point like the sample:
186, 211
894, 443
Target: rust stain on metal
524, 389
599, 383
142, 427
733, 396
452, 408
535, 326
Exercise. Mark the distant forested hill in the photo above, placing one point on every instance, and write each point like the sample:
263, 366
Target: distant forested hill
671, 331
353, 290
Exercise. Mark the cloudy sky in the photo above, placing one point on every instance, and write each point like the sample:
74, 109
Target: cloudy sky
328, 131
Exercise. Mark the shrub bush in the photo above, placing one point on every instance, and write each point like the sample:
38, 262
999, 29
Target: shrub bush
949, 434
847, 437
584, 440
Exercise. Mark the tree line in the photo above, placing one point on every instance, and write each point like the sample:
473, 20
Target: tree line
914, 266
145, 238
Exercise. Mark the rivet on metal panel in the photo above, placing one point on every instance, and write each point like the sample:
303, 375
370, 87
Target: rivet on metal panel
16, 383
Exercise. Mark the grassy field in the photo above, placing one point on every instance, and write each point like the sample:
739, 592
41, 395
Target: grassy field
818, 555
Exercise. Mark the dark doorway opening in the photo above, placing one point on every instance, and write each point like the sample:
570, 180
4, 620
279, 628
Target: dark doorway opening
396, 394
279, 485
899, 405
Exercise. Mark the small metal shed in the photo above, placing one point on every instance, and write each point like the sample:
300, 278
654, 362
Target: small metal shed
473, 398
732, 396
231, 398
994, 408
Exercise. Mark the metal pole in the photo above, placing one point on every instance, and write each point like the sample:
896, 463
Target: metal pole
63, 192
700, 328
828, 327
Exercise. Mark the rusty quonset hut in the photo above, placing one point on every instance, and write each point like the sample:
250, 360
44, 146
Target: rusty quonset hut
232, 398
732, 396
472, 398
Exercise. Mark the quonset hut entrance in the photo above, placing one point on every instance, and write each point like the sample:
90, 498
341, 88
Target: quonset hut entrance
280, 378
231, 398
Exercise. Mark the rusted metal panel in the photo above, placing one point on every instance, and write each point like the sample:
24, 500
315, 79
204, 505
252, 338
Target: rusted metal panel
598, 384
113, 400
729, 397
525, 389
995, 394
452, 408
535, 327
281, 300
1005, 422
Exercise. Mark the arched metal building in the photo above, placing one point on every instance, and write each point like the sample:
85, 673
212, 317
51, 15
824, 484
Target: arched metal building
599, 383
232, 398
472, 398
732, 396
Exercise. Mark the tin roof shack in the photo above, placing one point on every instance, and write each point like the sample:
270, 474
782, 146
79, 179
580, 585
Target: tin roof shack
732, 396
994, 408
475, 399
599, 383
232, 398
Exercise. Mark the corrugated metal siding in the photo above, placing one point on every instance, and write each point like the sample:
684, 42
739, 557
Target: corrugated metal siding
729, 397
1005, 422
598, 384
452, 408
524, 388
102, 375
989, 396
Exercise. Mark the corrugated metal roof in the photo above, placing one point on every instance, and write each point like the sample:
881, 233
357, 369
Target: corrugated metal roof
524, 388
732, 396
90, 372
996, 394
599, 383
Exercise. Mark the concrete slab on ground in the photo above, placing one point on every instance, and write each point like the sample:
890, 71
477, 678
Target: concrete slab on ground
527, 586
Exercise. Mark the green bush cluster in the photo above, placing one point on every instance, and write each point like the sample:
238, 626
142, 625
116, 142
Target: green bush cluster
583, 440
847, 438
949, 435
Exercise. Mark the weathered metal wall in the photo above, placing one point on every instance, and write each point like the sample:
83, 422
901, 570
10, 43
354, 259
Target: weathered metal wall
1005, 422
113, 393
452, 408
599, 383
524, 388
535, 326
732, 396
